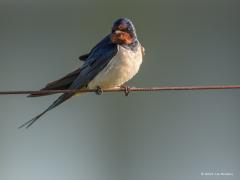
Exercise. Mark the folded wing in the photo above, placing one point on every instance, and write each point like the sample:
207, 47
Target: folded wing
79, 78
60, 84
98, 57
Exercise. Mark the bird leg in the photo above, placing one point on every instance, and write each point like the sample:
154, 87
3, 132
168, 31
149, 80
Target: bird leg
99, 90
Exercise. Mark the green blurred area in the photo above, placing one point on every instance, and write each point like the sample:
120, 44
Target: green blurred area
162, 135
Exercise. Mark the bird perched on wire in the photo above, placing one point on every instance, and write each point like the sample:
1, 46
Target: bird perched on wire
111, 63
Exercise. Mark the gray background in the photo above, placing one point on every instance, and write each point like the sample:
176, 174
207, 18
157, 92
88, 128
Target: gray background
162, 135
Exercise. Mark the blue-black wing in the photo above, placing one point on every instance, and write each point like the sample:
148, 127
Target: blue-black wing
99, 57
84, 57
65, 82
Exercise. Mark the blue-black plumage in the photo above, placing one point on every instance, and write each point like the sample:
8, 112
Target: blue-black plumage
111, 63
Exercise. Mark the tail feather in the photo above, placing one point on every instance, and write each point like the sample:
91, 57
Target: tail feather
39, 95
59, 101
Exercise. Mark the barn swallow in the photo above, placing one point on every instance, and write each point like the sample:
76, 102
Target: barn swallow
111, 63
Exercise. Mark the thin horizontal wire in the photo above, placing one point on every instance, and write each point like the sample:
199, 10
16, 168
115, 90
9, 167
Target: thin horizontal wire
129, 89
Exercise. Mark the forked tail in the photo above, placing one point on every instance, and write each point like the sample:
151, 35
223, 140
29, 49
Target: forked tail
59, 101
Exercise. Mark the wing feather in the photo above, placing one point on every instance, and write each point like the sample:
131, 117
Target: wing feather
97, 60
98, 57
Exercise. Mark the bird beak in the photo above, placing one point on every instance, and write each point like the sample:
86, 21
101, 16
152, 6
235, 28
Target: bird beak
117, 32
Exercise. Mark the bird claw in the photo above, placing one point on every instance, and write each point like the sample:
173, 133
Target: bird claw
127, 90
99, 90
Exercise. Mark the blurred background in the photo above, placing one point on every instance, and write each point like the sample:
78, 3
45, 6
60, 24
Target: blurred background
159, 135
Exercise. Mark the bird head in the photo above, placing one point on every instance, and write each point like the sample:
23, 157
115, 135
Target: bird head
123, 32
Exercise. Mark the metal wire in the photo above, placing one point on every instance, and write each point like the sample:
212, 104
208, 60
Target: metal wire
128, 89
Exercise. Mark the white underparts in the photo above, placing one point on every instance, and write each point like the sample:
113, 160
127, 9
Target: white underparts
123, 66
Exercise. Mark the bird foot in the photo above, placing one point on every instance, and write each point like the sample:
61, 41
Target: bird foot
127, 90
99, 90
